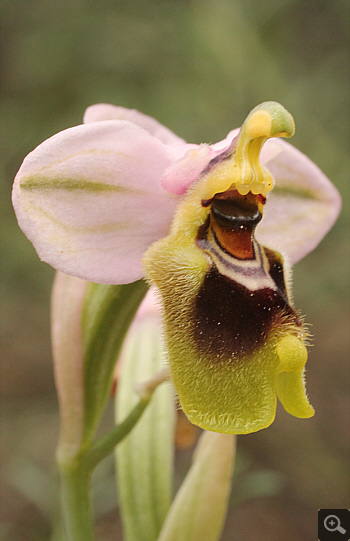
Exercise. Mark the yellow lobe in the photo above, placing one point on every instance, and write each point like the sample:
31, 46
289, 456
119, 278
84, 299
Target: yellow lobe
292, 354
290, 384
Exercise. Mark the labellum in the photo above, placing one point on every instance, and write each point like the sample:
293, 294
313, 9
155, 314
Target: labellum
233, 337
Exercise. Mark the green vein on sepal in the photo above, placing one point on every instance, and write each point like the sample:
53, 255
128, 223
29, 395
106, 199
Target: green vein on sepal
294, 190
70, 184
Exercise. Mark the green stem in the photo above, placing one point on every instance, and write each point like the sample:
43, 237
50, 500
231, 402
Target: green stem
76, 473
76, 501
103, 447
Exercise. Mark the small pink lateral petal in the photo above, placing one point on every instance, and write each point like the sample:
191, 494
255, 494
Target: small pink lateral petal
105, 111
90, 199
182, 173
301, 208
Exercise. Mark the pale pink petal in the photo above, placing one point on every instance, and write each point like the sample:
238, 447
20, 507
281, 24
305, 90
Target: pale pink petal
301, 208
90, 199
105, 111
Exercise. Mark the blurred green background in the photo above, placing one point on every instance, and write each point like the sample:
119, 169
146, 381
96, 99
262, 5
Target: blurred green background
199, 67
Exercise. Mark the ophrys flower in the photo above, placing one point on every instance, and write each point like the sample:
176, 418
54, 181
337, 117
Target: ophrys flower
94, 198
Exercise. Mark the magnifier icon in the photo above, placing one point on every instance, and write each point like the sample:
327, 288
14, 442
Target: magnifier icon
332, 524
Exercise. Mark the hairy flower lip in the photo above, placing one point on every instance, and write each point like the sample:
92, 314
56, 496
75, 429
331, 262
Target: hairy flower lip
225, 297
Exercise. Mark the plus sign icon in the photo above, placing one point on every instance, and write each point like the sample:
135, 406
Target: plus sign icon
333, 525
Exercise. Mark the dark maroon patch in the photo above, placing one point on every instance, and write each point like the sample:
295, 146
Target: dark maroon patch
230, 320
206, 202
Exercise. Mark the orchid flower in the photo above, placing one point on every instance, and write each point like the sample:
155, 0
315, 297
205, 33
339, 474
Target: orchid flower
121, 197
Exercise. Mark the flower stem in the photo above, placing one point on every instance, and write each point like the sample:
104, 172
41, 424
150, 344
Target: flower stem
76, 472
103, 447
76, 501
